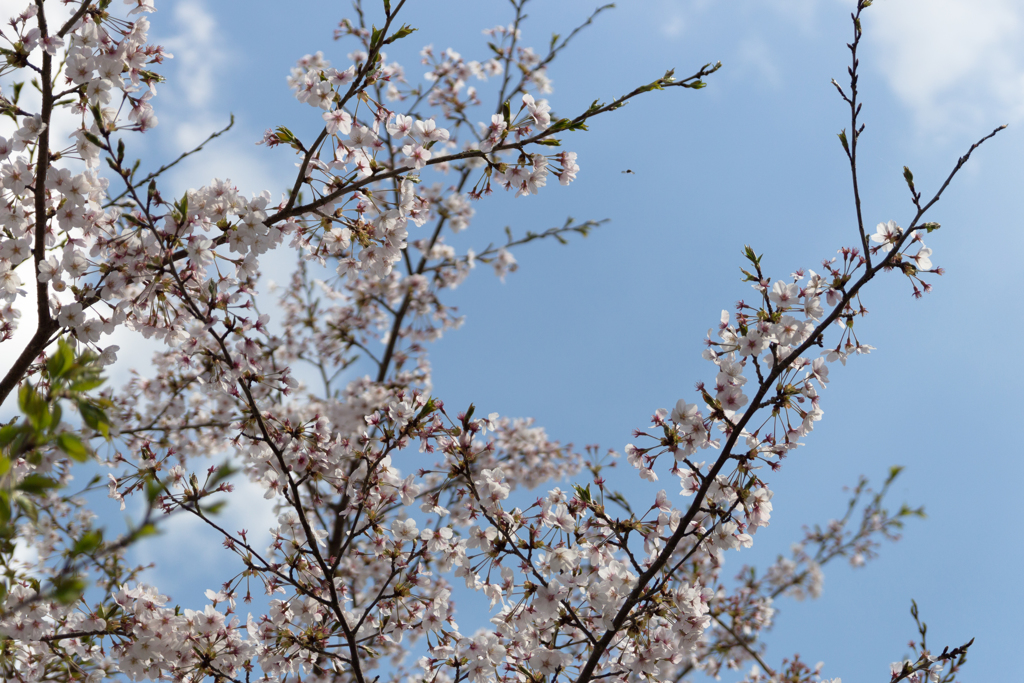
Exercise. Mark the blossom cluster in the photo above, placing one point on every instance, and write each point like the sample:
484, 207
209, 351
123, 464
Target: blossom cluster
387, 502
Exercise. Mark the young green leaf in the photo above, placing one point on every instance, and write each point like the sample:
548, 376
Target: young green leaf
72, 446
842, 139
61, 360
404, 31
94, 417
89, 542
37, 484
67, 590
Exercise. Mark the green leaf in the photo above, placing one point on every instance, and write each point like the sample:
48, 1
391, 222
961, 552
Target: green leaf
583, 492
129, 218
24, 391
72, 446
37, 484
153, 490
930, 227
842, 139
61, 360
89, 542
374, 37
222, 473
656, 85
712, 403
406, 30
147, 530
560, 124
93, 139
95, 417
909, 177
97, 113
27, 505
7, 434
22, 442
550, 142
67, 590
387, 6
87, 383
284, 135
213, 508
34, 407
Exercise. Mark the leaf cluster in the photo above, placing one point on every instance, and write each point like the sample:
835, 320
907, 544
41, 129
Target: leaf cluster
66, 376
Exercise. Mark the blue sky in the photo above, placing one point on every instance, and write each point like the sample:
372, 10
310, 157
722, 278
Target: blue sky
592, 337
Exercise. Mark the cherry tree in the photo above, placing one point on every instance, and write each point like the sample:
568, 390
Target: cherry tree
387, 499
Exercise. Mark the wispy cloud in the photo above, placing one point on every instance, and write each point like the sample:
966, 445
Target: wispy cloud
674, 25
198, 56
953, 63
679, 16
189, 557
191, 106
755, 56
802, 13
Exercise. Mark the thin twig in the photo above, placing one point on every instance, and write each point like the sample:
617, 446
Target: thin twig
174, 163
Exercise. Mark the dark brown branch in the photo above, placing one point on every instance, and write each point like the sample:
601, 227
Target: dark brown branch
45, 324
70, 23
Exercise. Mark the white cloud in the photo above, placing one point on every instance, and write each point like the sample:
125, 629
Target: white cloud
957, 65
197, 53
247, 166
953, 63
56, 14
755, 56
191, 107
677, 16
673, 25
188, 555
802, 13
